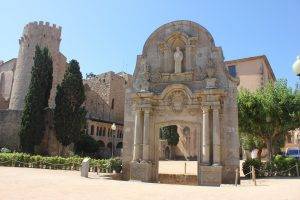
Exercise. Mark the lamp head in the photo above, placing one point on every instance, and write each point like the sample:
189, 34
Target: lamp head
113, 127
296, 66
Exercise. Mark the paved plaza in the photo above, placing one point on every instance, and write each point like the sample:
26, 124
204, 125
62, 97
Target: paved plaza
28, 183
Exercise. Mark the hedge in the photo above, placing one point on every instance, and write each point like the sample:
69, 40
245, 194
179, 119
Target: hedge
278, 166
57, 162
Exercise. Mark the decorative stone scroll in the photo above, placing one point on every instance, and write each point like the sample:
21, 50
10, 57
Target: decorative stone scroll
177, 101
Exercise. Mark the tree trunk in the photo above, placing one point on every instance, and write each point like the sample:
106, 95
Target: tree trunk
259, 153
269, 147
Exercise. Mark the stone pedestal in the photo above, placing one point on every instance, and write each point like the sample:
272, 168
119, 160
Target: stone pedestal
141, 171
210, 175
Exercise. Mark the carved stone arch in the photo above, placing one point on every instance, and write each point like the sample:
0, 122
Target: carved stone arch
177, 97
176, 87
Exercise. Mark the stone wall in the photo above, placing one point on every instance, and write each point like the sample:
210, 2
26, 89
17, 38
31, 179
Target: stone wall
95, 106
9, 127
181, 179
111, 88
6, 81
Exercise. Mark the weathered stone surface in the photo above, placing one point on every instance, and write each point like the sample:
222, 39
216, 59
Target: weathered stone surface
210, 175
141, 171
110, 88
85, 167
10, 121
200, 96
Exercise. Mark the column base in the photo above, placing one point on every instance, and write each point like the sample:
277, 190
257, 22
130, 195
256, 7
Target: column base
210, 175
141, 171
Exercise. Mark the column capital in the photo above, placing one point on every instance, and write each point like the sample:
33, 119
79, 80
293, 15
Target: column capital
205, 108
215, 107
147, 110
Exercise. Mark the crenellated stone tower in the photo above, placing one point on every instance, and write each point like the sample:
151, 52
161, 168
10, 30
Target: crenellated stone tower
44, 35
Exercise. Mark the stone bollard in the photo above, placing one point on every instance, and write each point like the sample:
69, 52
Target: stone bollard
85, 166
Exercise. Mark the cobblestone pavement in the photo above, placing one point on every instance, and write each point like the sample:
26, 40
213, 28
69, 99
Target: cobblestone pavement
28, 183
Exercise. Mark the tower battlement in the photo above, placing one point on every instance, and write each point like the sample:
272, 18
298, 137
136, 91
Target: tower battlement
40, 29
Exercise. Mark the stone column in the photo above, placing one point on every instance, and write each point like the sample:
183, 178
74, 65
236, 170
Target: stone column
206, 136
138, 133
188, 52
216, 136
146, 135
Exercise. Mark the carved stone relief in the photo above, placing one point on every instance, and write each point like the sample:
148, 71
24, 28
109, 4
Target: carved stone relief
177, 100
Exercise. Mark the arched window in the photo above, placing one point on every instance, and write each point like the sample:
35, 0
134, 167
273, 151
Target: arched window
92, 130
97, 133
119, 145
100, 131
112, 104
101, 144
104, 131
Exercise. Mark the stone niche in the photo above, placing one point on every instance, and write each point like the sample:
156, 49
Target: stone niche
180, 79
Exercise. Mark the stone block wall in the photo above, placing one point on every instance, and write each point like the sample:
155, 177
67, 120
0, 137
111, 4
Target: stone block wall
6, 81
10, 121
111, 88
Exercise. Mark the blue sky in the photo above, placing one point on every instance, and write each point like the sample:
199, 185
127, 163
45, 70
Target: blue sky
108, 35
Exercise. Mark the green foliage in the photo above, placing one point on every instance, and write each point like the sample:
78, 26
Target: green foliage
256, 163
36, 101
69, 116
278, 166
86, 145
269, 113
57, 162
281, 165
116, 164
250, 142
170, 134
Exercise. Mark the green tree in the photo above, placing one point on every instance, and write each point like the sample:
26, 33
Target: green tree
33, 116
69, 115
250, 142
269, 113
170, 134
86, 145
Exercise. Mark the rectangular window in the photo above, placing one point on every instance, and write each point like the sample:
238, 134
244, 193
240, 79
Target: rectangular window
232, 70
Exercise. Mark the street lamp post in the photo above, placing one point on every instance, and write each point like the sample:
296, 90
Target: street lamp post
113, 128
296, 69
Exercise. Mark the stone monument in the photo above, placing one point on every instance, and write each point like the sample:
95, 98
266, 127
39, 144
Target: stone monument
85, 167
200, 95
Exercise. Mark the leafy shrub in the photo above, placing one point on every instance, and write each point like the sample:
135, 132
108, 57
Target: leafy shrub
279, 166
57, 162
86, 145
283, 165
256, 163
116, 164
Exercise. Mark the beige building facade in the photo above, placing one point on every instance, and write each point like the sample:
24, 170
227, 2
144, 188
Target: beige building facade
253, 72
108, 139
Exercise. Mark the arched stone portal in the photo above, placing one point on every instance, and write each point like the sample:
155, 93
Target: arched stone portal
200, 95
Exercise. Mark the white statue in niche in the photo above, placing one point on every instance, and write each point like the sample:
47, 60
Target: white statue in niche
178, 56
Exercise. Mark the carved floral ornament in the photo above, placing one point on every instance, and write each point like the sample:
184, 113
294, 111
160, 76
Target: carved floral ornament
177, 100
